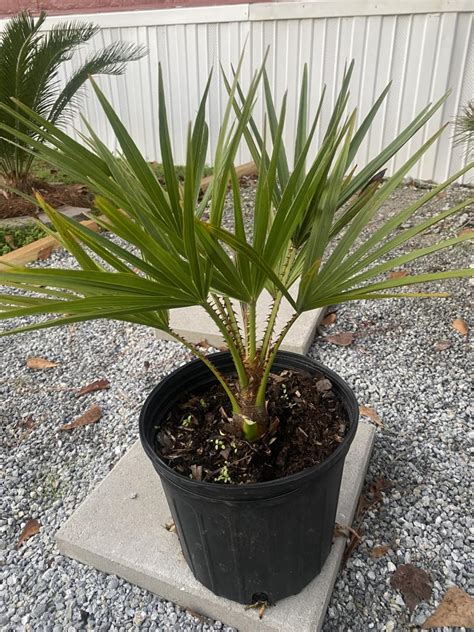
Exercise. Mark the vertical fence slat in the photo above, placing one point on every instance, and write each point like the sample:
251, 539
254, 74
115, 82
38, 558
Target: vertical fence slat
423, 54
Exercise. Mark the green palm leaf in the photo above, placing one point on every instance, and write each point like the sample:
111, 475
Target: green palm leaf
30, 60
164, 248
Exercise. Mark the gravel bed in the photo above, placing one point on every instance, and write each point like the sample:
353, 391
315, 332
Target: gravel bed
420, 393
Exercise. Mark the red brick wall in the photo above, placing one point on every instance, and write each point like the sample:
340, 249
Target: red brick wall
10, 7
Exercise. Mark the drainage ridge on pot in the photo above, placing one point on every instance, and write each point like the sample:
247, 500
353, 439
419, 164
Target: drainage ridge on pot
246, 542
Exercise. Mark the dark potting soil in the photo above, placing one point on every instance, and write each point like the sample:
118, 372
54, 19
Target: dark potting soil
308, 422
56, 195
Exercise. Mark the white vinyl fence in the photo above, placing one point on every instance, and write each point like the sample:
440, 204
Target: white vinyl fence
424, 46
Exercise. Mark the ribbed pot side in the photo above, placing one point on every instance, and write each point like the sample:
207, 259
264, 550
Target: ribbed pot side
263, 541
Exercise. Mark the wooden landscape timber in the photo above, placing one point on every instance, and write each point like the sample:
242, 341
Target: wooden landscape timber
42, 248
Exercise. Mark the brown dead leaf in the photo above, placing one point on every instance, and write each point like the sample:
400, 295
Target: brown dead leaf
30, 529
196, 471
10, 240
330, 319
460, 325
397, 274
379, 485
371, 414
98, 385
455, 610
373, 495
352, 543
260, 605
442, 345
343, 338
44, 253
40, 363
204, 344
466, 231
27, 423
379, 551
89, 417
170, 526
413, 582
344, 530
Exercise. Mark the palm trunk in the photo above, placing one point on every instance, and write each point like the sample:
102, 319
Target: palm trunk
19, 181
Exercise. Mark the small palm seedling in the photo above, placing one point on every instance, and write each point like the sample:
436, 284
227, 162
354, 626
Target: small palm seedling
308, 225
464, 128
30, 63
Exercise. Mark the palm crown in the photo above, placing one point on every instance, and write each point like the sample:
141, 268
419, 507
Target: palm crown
30, 60
306, 222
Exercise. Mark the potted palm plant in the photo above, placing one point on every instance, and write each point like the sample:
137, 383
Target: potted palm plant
249, 443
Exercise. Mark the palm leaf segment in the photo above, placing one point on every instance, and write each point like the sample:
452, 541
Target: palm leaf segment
30, 60
308, 225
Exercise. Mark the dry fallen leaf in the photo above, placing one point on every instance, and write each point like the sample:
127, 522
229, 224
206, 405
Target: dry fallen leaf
10, 240
460, 325
196, 471
204, 343
30, 529
413, 582
379, 551
98, 385
44, 253
456, 610
170, 526
373, 494
40, 363
27, 423
343, 339
442, 345
466, 231
330, 319
89, 417
371, 414
352, 543
397, 274
345, 531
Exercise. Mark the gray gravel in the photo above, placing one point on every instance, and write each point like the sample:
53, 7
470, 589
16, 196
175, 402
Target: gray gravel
420, 393
424, 399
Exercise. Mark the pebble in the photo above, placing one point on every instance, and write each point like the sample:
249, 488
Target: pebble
420, 394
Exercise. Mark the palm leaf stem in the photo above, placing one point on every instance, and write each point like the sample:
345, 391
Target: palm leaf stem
228, 318
260, 399
239, 365
252, 331
265, 348
218, 375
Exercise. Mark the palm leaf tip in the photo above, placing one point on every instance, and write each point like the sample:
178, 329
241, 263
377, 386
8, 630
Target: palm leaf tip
113, 59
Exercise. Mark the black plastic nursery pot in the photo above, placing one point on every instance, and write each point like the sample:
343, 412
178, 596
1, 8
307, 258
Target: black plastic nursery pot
262, 541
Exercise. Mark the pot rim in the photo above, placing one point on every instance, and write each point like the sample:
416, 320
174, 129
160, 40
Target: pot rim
342, 388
